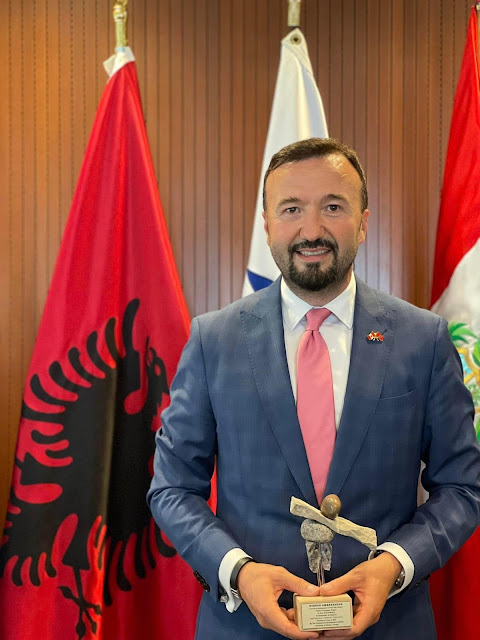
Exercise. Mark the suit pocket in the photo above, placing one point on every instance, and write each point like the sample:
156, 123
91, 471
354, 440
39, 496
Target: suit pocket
397, 404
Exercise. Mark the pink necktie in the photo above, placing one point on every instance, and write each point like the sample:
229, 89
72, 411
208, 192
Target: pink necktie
315, 406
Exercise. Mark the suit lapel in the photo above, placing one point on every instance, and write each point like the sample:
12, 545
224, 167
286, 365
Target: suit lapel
264, 336
368, 365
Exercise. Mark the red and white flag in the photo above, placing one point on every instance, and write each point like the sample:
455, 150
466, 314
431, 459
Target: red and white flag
81, 556
297, 113
456, 297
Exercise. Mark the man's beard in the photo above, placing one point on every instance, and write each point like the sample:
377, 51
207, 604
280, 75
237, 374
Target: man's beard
313, 276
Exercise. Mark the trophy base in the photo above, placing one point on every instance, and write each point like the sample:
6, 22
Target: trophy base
319, 613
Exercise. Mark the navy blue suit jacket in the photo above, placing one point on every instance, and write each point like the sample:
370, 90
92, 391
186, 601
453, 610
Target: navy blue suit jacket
232, 401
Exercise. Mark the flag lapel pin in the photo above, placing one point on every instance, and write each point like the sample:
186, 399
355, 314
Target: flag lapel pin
375, 336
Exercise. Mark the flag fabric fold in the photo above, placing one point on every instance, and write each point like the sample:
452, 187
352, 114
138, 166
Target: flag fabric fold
81, 556
297, 113
456, 297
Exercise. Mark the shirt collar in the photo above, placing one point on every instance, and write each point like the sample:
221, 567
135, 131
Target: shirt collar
343, 306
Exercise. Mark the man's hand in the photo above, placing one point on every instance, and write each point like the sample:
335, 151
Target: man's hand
260, 586
371, 582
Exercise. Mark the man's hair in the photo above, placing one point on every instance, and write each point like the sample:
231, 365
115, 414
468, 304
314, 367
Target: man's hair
316, 148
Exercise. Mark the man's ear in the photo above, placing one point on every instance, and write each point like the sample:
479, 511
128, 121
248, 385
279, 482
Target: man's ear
364, 226
265, 226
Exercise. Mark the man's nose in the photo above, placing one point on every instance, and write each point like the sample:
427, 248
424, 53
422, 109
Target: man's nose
312, 226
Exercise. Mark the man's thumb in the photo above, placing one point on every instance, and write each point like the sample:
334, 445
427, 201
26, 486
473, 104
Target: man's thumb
335, 587
302, 587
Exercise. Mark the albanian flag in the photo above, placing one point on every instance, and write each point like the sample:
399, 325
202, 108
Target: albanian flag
81, 556
456, 297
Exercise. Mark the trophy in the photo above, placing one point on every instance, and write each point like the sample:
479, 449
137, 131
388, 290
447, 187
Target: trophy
319, 613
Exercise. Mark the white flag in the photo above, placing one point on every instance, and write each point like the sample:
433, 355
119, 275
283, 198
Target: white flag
297, 114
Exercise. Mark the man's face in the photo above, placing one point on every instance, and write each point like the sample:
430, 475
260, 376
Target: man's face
314, 222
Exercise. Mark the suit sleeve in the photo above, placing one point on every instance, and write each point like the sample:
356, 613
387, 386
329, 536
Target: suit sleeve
451, 455
183, 467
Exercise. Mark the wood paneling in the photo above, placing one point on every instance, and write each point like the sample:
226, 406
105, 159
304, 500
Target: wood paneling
386, 69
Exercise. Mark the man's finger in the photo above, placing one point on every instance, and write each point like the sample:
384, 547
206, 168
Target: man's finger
293, 583
357, 629
364, 617
290, 613
261, 585
276, 619
338, 586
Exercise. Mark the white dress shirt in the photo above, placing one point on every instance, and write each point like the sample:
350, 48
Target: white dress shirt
337, 331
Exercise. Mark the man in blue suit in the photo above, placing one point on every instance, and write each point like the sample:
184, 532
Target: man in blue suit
399, 400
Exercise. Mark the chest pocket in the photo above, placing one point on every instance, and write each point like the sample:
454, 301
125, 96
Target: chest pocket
397, 404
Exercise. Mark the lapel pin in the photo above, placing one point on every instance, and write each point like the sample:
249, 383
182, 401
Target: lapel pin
375, 336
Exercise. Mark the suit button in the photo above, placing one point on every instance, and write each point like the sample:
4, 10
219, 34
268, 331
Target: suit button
202, 581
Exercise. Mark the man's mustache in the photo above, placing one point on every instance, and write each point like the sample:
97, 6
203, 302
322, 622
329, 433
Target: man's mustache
319, 243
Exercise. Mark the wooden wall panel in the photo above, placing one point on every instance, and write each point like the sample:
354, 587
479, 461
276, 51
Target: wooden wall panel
199, 157
384, 134
409, 148
371, 156
386, 69
212, 298
7, 405
357, 57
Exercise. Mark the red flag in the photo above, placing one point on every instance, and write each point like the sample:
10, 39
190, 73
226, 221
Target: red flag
456, 296
81, 556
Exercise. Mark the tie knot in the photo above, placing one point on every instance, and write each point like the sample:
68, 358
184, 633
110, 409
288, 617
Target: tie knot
316, 317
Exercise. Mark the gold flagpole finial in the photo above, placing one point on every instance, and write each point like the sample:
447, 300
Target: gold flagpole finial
294, 13
120, 19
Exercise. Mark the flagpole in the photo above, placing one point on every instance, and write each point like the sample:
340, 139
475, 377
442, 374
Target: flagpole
294, 7
120, 19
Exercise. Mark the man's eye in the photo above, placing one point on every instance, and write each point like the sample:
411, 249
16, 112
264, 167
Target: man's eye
332, 207
291, 210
